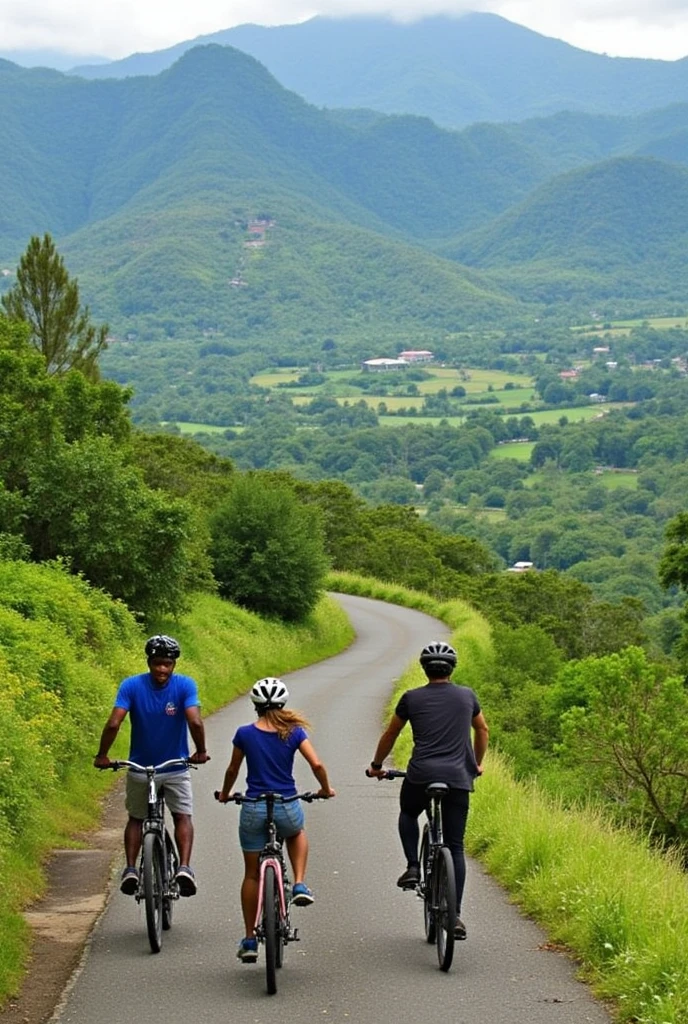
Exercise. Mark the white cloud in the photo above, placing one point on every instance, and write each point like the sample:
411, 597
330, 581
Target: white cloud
119, 27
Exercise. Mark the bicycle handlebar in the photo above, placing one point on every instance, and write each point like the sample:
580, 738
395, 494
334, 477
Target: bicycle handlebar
239, 798
184, 762
391, 773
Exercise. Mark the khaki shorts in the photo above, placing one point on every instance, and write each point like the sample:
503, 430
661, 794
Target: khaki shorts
176, 787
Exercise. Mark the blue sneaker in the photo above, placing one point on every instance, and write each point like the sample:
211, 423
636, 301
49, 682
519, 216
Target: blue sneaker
301, 895
248, 951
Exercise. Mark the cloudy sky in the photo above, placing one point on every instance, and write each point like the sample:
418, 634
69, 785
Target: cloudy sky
116, 28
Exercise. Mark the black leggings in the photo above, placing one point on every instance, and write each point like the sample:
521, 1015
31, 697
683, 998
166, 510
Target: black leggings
413, 801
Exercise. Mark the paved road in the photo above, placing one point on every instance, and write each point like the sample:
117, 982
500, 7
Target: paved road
363, 958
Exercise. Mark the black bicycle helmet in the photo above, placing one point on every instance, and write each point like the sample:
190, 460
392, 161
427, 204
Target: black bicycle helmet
438, 656
162, 646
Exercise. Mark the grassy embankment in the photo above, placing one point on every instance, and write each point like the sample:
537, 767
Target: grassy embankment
63, 649
619, 906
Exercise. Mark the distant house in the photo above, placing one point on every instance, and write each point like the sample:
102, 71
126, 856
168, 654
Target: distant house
417, 355
384, 364
595, 397
568, 374
520, 567
600, 350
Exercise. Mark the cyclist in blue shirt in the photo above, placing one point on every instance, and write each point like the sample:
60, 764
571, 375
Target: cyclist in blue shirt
269, 746
163, 706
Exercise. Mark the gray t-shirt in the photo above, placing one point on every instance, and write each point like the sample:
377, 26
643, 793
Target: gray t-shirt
441, 715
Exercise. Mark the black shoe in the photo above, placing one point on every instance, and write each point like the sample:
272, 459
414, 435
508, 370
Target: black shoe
410, 877
186, 880
129, 882
459, 929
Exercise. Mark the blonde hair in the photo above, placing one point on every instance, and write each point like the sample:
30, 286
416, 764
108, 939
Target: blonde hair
284, 720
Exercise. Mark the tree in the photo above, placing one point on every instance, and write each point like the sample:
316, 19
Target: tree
86, 504
48, 300
624, 727
673, 570
268, 550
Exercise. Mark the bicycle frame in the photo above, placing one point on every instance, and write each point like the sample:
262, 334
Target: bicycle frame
436, 885
271, 856
158, 860
272, 926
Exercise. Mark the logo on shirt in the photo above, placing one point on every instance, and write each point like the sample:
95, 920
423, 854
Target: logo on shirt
170, 708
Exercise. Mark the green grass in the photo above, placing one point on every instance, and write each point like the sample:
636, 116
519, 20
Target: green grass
614, 479
201, 428
475, 381
519, 450
421, 421
573, 415
659, 323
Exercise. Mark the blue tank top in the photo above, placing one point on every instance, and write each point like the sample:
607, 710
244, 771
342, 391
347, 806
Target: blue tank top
269, 759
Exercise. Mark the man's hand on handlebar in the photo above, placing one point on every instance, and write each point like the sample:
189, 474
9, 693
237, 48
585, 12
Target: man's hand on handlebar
325, 794
102, 761
199, 758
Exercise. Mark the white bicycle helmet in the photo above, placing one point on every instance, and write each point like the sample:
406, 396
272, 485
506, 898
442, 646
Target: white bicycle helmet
269, 693
438, 655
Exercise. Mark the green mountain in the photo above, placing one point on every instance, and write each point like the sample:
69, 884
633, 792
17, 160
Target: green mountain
617, 229
478, 67
209, 198
150, 186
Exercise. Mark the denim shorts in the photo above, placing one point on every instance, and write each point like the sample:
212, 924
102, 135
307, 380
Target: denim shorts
253, 832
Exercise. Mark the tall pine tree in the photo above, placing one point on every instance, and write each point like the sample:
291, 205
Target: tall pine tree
48, 300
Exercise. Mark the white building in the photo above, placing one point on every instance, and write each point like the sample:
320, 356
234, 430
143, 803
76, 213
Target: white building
417, 355
384, 364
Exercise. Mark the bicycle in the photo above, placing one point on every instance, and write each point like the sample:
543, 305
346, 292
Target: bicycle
437, 884
273, 927
159, 861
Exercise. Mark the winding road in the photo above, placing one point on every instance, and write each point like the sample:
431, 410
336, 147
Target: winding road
362, 958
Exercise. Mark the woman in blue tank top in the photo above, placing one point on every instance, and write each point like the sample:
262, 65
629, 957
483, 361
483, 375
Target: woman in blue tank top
269, 746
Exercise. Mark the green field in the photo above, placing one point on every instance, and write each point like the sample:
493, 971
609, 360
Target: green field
475, 381
519, 450
614, 479
201, 428
583, 412
620, 327
420, 421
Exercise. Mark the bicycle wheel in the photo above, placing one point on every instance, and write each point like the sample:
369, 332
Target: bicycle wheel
270, 928
445, 888
426, 876
153, 888
172, 863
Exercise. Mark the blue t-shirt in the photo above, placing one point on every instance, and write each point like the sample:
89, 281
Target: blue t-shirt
269, 759
158, 720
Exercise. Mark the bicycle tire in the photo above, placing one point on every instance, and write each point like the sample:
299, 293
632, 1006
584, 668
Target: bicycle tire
153, 888
426, 876
172, 863
445, 888
270, 928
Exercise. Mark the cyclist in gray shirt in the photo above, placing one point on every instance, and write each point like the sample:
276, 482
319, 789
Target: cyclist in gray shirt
450, 738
